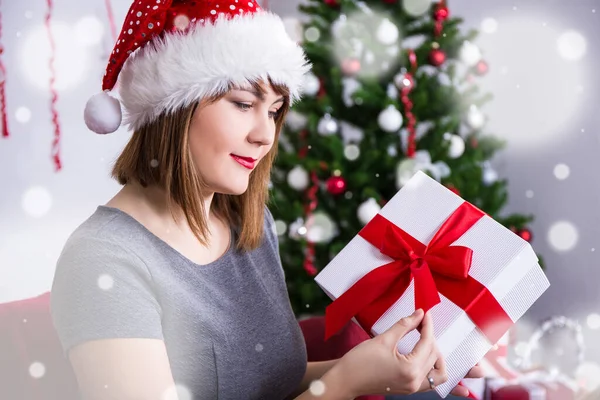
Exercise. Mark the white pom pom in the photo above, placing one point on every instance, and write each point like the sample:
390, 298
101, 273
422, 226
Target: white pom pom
102, 113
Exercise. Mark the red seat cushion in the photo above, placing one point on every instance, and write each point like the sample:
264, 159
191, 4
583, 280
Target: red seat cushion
320, 350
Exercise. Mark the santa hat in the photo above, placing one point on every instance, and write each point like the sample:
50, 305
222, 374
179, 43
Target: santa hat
172, 53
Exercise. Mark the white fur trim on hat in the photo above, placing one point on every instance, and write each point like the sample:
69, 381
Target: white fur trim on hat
181, 68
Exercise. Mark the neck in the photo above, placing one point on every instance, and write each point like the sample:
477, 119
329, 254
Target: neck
153, 199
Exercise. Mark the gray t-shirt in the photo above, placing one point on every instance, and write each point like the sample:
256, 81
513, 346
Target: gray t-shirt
228, 326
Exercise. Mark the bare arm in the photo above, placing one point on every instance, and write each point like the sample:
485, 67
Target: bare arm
331, 386
123, 369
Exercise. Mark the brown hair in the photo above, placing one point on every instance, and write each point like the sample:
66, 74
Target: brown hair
159, 154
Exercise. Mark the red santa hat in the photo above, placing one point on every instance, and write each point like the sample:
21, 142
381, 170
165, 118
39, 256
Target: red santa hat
172, 53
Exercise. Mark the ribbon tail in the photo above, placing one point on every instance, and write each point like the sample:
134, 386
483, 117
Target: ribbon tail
426, 292
359, 296
371, 314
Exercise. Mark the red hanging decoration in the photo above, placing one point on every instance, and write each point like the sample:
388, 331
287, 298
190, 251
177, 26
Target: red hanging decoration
440, 15
408, 104
309, 259
53, 92
525, 234
3, 114
111, 20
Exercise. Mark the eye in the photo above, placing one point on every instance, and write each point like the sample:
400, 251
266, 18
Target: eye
274, 114
242, 106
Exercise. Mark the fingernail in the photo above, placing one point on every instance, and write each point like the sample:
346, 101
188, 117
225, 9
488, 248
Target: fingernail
417, 312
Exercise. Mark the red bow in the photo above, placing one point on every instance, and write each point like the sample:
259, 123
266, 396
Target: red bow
436, 268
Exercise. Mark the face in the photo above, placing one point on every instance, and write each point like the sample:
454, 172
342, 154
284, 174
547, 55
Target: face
230, 137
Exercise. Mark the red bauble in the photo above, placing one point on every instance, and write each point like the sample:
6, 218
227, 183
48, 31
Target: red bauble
441, 12
525, 234
331, 3
437, 57
336, 185
390, 1
453, 189
481, 68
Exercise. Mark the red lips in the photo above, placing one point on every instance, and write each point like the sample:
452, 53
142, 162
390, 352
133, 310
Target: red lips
246, 162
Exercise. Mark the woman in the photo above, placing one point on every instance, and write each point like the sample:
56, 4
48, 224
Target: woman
174, 289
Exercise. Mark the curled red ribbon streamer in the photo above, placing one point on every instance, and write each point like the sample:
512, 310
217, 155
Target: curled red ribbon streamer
436, 268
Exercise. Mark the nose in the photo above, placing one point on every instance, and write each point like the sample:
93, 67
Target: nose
263, 132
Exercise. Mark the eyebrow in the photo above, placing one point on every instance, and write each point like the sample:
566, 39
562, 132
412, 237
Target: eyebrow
260, 95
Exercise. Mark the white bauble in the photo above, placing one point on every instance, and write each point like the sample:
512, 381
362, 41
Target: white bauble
320, 228
387, 32
327, 126
310, 84
457, 146
489, 176
351, 152
367, 210
390, 119
475, 118
469, 53
298, 178
296, 121
404, 171
349, 87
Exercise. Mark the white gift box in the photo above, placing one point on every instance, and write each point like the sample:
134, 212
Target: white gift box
501, 261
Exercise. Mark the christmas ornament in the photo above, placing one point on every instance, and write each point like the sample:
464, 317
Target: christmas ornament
489, 176
349, 87
437, 57
367, 210
351, 152
387, 32
297, 229
441, 12
390, 119
320, 228
327, 125
279, 227
404, 171
208, 67
53, 93
3, 115
331, 3
336, 185
296, 121
440, 15
310, 84
404, 80
453, 189
481, 68
457, 145
351, 133
297, 178
407, 87
525, 234
416, 8
469, 53
350, 67
391, 91
475, 118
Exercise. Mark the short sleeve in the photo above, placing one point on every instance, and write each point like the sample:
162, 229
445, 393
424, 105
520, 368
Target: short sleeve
102, 291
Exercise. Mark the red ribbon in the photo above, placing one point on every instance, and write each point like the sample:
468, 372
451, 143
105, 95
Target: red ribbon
435, 268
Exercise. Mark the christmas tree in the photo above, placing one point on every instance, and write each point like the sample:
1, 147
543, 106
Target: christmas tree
393, 90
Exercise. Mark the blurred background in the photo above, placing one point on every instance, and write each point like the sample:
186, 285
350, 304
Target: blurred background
540, 65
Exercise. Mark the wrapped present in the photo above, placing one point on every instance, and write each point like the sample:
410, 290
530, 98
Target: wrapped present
501, 390
428, 248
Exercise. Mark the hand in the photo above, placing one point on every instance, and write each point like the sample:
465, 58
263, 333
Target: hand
377, 367
461, 391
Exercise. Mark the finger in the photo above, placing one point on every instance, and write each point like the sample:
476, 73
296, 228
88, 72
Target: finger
423, 348
440, 365
405, 325
460, 391
438, 378
475, 372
